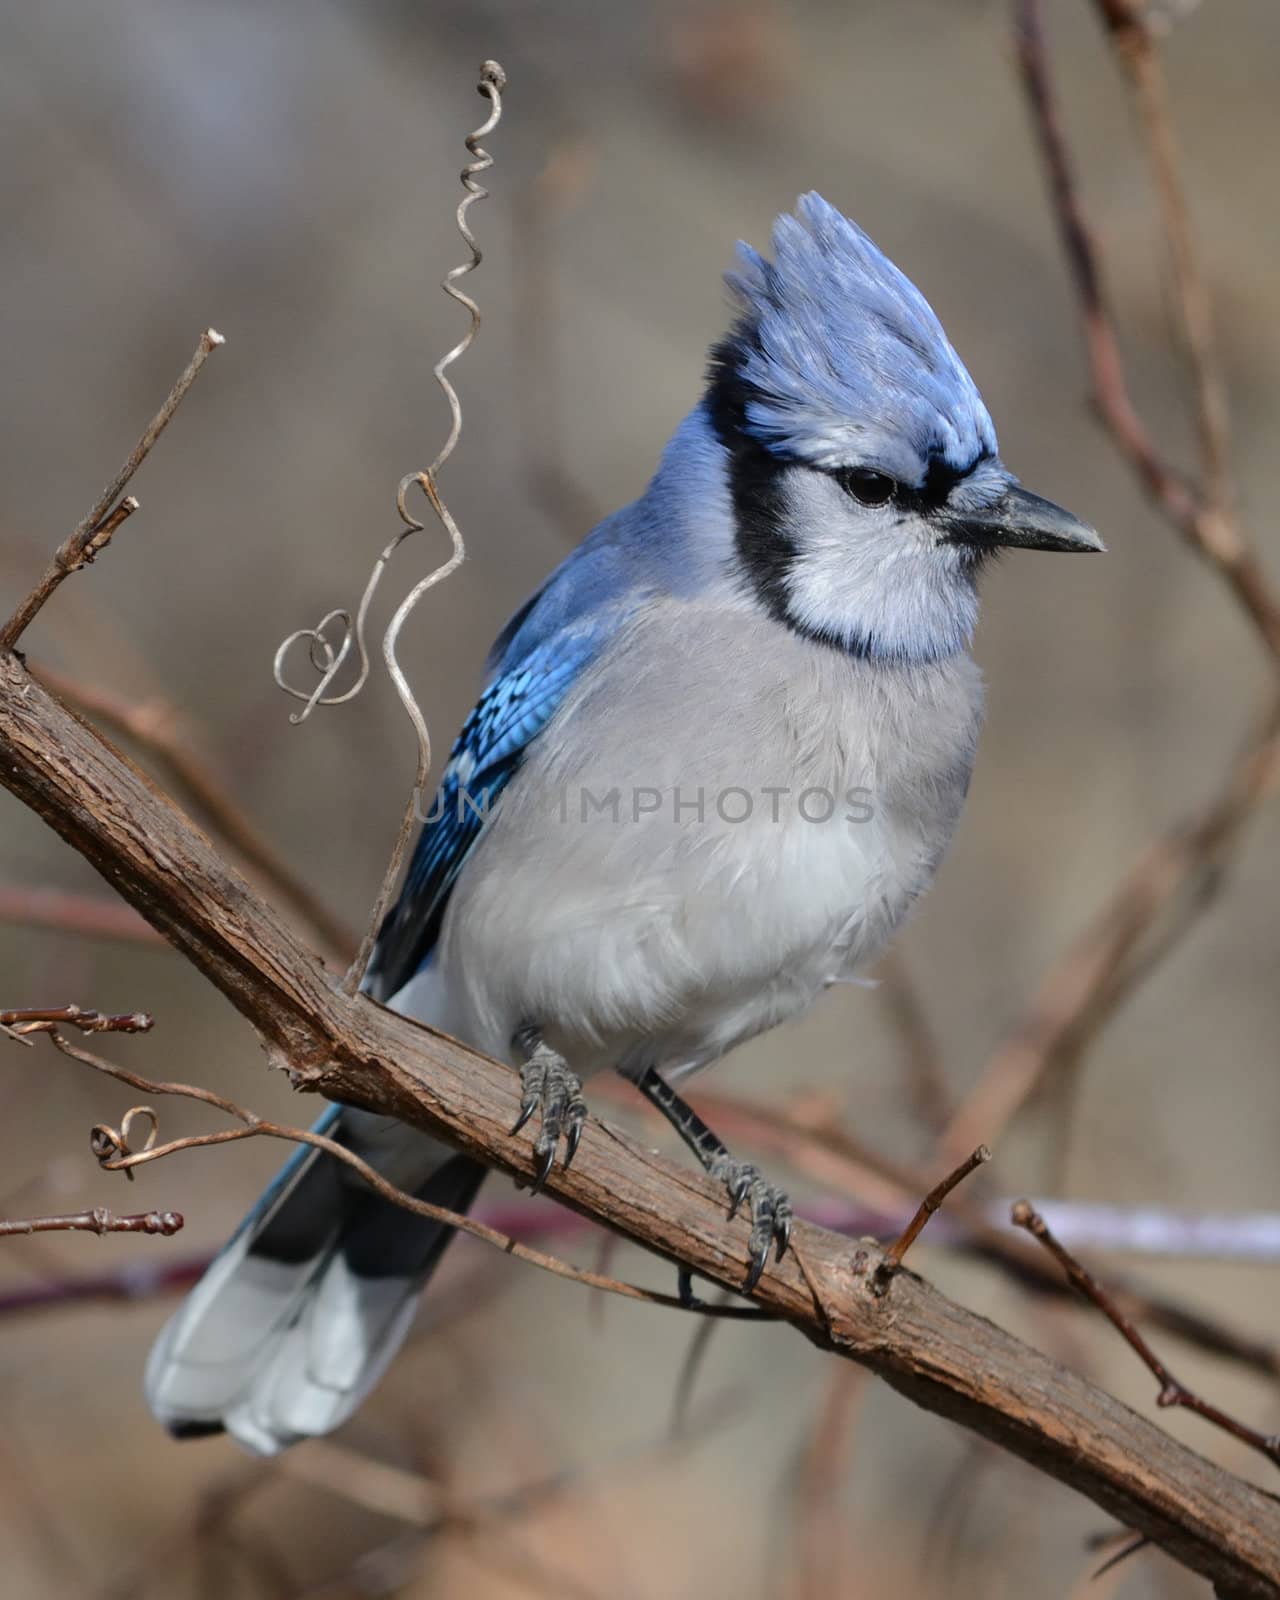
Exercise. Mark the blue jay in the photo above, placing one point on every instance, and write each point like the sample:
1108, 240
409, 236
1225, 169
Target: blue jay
719, 755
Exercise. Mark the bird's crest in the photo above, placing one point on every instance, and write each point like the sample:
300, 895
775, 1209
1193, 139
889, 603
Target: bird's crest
840, 359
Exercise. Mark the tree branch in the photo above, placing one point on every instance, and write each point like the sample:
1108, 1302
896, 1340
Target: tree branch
349, 1048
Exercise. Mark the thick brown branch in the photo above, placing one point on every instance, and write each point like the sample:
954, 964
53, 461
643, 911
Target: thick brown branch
943, 1357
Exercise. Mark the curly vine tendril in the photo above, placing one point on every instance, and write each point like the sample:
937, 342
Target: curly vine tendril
328, 654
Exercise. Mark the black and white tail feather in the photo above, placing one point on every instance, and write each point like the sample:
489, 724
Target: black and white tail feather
297, 1319
299, 1316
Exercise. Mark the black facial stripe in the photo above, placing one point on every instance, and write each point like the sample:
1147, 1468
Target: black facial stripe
765, 549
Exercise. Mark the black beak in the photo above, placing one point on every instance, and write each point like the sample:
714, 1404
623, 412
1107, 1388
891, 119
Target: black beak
1022, 519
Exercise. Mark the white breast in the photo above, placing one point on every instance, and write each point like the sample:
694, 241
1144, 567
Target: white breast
722, 819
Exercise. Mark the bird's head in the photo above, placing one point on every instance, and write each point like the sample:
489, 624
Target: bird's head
866, 482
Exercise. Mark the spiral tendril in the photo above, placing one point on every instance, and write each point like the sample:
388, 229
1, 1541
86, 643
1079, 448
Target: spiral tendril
327, 654
111, 1146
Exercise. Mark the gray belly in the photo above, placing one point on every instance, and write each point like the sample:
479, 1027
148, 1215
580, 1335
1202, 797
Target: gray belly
699, 844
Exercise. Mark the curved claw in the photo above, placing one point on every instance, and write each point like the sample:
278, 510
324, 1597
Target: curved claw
572, 1139
782, 1232
758, 1262
544, 1168
739, 1188
527, 1109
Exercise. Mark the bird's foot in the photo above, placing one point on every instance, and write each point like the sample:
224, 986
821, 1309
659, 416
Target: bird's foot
549, 1087
770, 1212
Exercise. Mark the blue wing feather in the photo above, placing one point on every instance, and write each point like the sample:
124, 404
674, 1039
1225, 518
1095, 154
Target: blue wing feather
512, 711
533, 664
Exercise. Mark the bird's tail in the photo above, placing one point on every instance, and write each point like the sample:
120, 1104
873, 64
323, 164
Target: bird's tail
298, 1317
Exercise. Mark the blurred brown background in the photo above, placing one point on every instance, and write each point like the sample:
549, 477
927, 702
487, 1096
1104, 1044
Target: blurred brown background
287, 172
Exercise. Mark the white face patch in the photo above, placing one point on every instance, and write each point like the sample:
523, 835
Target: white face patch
873, 578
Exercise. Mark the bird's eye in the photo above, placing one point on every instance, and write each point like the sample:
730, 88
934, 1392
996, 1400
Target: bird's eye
871, 488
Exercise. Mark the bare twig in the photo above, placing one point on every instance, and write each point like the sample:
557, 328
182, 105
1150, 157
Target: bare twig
1166, 486
1172, 1392
893, 1256
99, 1220
90, 537
492, 82
45, 1021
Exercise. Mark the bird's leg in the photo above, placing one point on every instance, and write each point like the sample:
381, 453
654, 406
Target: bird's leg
550, 1088
770, 1208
